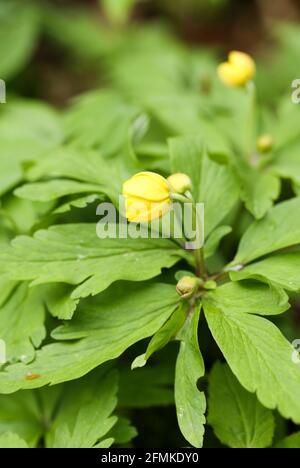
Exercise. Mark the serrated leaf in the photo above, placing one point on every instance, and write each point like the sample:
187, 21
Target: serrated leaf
282, 270
213, 184
59, 301
248, 297
280, 228
122, 432
81, 202
12, 440
286, 161
102, 330
190, 402
85, 412
74, 254
258, 189
22, 323
237, 417
85, 166
28, 130
259, 356
24, 214
53, 189
291, 441
20, 414
105, 443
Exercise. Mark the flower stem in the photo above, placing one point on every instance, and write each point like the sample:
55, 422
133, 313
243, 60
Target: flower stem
200, 263
251, 130
198, 253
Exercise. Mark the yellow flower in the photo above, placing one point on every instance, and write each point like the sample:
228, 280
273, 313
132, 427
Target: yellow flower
239, 69
179, 182
147, 197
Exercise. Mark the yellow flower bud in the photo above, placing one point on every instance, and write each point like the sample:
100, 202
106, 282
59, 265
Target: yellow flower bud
239, 69
265, 143
147, 197
179, 182
187, 286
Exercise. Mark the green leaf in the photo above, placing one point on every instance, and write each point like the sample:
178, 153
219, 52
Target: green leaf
259, 356
237, 417
213, 184
85, 412
80, 33
74, 254
291, 441
155, 384
11, 440
248, 297
213, 241
59, 301
286, 161
10, 174
22, 323
6, 288
20, 414
105, 443
19, 25
161, 338
85, 166
24, 214
53, 189
152, 72
162, 103
97, 115
122, 432
282, 270
81, 202
190, 402
258, 189
118, 11
29, 128
280, 228
102, 329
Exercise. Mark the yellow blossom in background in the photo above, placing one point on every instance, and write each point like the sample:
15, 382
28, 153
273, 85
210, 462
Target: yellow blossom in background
238, 70
179, 182
147, 197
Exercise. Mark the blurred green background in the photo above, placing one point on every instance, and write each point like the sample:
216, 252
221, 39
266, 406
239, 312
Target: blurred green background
56, 49
146, 50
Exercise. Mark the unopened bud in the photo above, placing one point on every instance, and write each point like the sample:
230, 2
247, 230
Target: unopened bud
265, 143
180, 183
187, 286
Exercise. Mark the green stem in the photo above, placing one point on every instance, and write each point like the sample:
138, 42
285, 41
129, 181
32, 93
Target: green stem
181, 198
200, 263
251, 123
198, 253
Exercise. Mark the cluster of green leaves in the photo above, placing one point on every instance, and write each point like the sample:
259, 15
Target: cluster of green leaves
76, 309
